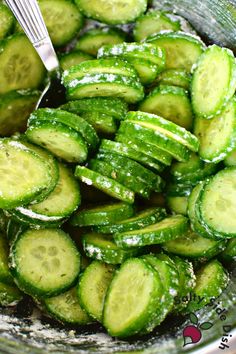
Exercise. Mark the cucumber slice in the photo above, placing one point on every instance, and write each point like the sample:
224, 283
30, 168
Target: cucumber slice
211, 280
150, 150
92, 40
114, 107
60, 204
154, 21
113, 13
3, 222
217, 136
17, 56
229, 254
182, 49
107, 185
214, 81
102, 214
103, 248
179, 189
132, 168
174, 77
14, 229
104, 124
24, 174
126, 150
97, 85
122, 176
129, 309
7, 21
15, 108
62, 18
178, 205
230, 159
171, 103
10, 295
71, 120
92, 288
192, 245
66, 308
63, 141
217, 203
146, 70
5, 275
75, 57
44, 262
142, 219
168, 229
169, 129
154, 137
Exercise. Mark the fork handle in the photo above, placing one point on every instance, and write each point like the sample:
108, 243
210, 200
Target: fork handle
30, 18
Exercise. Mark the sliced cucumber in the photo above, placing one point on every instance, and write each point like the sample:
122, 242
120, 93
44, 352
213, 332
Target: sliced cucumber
150, 150
154, 21
5, 275
24, 174
105, 184
142, 219
174, 77
93, 39
75, 57
15, 108
103, 248
165, 230
14, 229
112, 12
192, 245
44, 262
63, 141
10, 295
179, 189
230, 159
17, 56
71, 120
182, 49
217, 136
211, 280
3, 222
214, 81
171, 103
229, 253
104, 124
66, 308
178, 204
7, 21
62, 18
102, 214
92, 287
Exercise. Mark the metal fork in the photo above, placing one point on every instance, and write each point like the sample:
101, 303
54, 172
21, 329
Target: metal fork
30, 18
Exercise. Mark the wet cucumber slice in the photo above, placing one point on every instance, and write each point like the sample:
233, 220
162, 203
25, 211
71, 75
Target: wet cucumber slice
5, 275
14, 229
113, 12
217, 136
154, 21
164, 126
214, 81
211, 280
24, 175
71, 120
10, 295
66, 308
92, 40
104, 124
179, 189
58, 206
92, 287
150, 150
122, 176
7, 21
62, 18
105, 184
15, 108
230, 159
44, 262
142, 219
75, 57
126, 150
177, 204
102, 214
133, 299
174, 77
154, 137
168, 229
61, 140
17, 56
192, 245
103, 248
229, 253
182, 49
171, 103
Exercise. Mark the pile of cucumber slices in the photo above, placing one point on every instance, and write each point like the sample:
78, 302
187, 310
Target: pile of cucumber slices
123, 199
